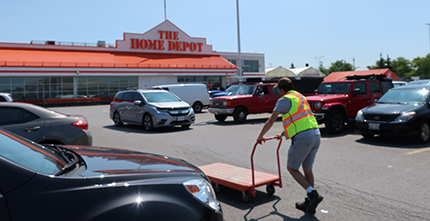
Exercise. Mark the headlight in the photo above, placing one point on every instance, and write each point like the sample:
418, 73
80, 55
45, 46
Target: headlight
405, 116
226, 103
317, 105
359, 116
162, 110
203, 191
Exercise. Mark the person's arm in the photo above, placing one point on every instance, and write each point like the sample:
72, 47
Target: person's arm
269, 123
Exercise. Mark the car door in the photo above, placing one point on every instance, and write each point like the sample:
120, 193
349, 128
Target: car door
21, 122
361, 99
4, 213
125, 107
135, 111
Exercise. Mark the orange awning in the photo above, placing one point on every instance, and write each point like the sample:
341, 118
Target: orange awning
341, 75
104, 59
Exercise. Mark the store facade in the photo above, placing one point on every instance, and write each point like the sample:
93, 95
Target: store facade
42, 72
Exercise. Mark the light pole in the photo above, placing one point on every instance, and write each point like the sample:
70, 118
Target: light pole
428, 24
239, 61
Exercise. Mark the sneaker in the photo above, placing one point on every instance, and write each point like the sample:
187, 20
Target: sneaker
314, 200
303, 206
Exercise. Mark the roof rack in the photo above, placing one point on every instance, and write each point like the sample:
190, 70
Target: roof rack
367, 77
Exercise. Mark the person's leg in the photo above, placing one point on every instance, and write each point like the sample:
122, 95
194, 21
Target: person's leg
298, 176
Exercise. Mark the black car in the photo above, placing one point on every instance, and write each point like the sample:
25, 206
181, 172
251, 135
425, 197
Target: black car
402, 111
92, 183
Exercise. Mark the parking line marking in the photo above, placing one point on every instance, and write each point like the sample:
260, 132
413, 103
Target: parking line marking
418, 151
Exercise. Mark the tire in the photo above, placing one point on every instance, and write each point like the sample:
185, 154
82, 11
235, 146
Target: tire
423, 132
147, 122
335, 122
220, 117
245, 196
117, 119
239, 115
270, 189
197, 107
186, 126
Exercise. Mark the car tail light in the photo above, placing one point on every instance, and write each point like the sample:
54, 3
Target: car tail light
81, 123
203, 191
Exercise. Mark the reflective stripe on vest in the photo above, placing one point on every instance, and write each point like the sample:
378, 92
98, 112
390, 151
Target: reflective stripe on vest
299, 117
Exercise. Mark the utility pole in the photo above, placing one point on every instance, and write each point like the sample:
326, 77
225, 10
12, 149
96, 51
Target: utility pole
165, 12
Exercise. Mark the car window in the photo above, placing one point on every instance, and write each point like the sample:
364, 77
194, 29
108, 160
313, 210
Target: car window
137, 97
160, 96
374, 88
246, 90
263, 91
275, 90
405, 96
14, 115
334, 88
362, 87
128, 96
232, 88
2, 98
120, 96
29, 155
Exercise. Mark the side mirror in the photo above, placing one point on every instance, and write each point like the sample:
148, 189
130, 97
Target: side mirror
356, 92
137, 102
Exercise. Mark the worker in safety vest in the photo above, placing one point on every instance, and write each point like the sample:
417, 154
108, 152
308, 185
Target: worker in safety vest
301, 127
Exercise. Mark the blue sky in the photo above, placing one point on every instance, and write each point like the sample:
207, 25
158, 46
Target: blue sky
286, 31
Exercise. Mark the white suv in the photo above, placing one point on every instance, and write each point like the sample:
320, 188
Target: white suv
150, 108
5, 97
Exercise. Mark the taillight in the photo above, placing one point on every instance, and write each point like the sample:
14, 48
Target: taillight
83, 124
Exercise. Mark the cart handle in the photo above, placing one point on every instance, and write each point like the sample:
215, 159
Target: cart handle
277, 155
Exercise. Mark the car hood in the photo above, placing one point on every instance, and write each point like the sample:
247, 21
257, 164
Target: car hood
179, 104
390, 108
110, 162
326, 97
231, 97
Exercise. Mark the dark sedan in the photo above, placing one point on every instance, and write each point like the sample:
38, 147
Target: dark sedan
93, 183
402, 111
43, 125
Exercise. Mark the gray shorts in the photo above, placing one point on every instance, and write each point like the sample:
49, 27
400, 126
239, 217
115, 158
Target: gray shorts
303, 149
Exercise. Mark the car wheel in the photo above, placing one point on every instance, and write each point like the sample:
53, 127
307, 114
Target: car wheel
147, 122
220, 117
186, 126
197, 107
117, 119
424, 132
335, 122
239, 115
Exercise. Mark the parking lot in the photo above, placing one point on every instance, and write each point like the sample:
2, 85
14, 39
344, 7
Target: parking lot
383, 178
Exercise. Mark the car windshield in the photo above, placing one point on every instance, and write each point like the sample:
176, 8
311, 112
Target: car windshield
160, 96
232, 88
246, 90
30, 155
418, 82
405, 96
334, 88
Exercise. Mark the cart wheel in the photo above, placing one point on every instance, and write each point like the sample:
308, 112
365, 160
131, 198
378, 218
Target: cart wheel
245, 196
270, 189
217, 187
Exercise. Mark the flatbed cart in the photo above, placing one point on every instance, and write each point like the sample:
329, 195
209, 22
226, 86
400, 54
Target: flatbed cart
242, 179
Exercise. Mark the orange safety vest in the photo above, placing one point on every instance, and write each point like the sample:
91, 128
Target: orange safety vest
300, 117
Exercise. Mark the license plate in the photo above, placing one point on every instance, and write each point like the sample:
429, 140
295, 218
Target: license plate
373, 126
181, 118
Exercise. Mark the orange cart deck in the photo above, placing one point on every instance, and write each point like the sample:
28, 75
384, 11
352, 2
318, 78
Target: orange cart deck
237, 178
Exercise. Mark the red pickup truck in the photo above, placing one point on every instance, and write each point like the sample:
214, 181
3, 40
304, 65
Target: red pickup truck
249, 99
336, 103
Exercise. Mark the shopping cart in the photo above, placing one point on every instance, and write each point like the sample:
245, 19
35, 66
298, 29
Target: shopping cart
243, 179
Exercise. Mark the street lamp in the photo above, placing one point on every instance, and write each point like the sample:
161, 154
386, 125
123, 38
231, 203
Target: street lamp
239, 61
428, 24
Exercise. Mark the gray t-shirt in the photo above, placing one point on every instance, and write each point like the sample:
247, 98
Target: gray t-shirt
283, 105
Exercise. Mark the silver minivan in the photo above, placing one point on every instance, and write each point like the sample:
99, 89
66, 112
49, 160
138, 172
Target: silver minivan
150, 108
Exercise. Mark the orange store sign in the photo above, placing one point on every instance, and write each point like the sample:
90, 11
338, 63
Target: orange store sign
164, 38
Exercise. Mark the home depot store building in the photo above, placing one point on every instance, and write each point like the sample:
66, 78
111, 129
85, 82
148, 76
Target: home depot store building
54, 71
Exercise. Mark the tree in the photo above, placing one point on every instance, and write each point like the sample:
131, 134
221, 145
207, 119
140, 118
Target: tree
292, 66
402, 67
422, 66
382, 63
339, 65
